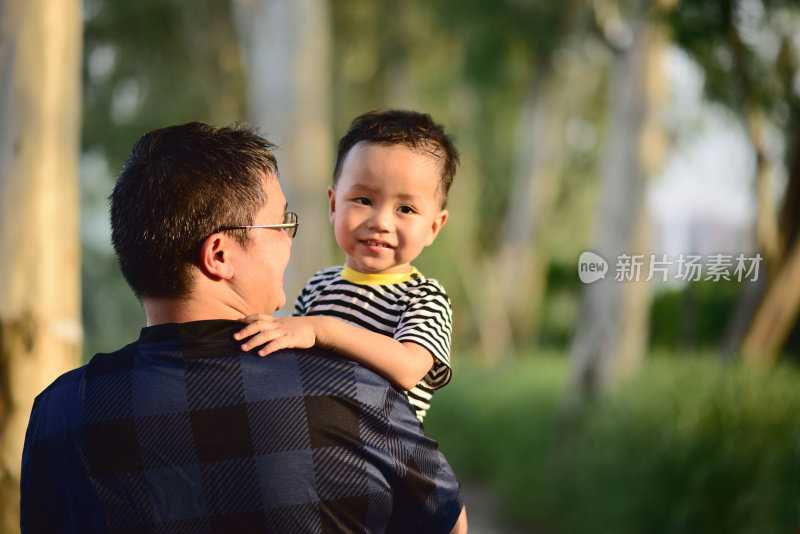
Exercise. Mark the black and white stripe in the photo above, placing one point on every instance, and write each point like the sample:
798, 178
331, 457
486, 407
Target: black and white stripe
417, 310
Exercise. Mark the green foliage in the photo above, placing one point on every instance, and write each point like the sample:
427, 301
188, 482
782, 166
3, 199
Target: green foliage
560, 305
746, 51
151, 63
502, 50
498, 31
694, 316
687, 446
111, 314
703, 29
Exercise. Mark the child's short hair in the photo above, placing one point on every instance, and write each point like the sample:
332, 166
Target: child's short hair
412, 129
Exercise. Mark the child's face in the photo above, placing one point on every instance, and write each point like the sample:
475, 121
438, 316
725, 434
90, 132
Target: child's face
384, 208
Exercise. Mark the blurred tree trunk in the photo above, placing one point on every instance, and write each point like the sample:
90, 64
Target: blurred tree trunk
286, 46
789, 226
778, 310
514, 277
535, 186
40, 332
766, 214
612, 327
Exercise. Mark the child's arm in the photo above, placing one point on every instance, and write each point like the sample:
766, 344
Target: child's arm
403, 363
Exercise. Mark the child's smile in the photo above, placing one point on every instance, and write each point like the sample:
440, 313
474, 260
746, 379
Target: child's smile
376, 245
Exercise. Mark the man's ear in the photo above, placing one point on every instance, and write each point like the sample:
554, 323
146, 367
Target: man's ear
438, 222
215, 256
331, 203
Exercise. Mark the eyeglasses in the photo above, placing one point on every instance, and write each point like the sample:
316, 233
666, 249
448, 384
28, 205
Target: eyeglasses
289, 225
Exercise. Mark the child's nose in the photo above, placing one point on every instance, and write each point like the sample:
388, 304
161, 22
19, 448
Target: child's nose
381, 220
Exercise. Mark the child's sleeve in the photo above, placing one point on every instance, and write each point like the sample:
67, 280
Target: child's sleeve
301, 303
307, 295
428, 321
304, 303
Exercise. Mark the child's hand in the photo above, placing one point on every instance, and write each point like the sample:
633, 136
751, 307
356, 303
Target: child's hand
277, 333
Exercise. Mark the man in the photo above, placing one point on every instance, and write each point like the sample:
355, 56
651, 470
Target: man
182, 432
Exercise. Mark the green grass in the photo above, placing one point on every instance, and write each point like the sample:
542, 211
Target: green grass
687, 446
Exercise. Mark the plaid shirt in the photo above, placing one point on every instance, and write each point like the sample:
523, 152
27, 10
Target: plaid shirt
182, 432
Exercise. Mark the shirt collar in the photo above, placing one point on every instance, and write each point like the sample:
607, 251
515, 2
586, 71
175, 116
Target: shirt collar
364, 279
197, 339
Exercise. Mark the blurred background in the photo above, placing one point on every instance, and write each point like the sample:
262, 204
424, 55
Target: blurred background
661, 136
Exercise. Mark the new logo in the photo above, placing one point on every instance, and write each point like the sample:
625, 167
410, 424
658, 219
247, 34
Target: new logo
591, 267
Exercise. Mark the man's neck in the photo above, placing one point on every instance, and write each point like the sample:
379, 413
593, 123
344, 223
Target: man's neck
162, 311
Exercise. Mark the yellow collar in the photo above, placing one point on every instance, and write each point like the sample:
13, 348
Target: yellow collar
364, 279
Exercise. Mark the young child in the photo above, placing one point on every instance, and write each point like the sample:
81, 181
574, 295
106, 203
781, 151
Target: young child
390, 184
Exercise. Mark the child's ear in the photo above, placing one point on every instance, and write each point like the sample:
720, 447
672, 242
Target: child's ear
331, 203
438, 222
216, 256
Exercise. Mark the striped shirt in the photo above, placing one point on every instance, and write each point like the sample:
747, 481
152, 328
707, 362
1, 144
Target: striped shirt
405, 306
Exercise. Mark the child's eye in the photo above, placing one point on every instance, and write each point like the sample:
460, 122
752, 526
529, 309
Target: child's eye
363, 200
405, 209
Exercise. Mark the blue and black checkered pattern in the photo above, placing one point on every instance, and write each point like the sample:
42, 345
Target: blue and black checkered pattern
181, 432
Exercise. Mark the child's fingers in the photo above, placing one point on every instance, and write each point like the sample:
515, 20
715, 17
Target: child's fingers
259, 339
275, 345
255, 322
253, 328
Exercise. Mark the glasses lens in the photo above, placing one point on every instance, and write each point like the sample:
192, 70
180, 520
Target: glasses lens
290, 218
